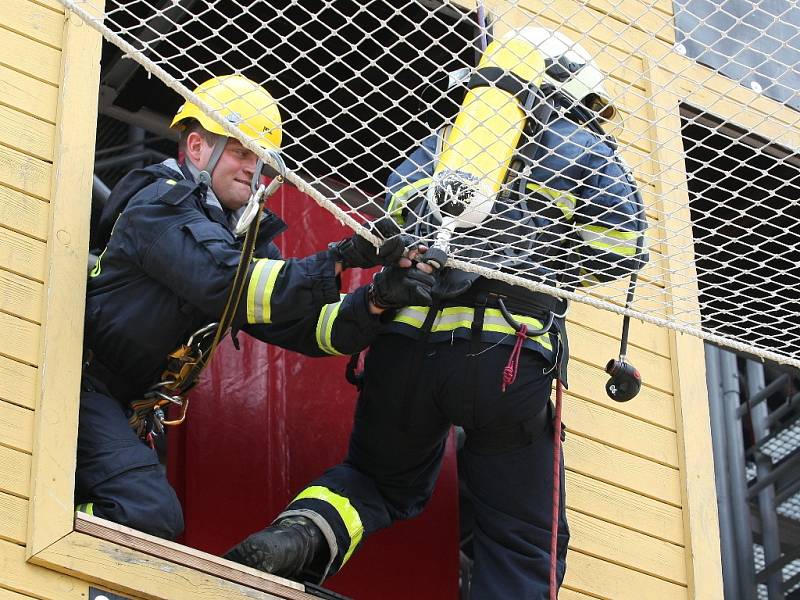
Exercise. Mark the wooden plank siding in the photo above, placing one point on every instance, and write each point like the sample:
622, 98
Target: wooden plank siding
15, 472
28, 56
13, 519
28, 95
16, 427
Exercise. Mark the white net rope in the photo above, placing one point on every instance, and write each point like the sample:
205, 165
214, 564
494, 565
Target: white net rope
711, 148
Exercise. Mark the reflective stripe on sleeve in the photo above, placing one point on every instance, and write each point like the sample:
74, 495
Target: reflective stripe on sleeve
349, 515
260, 288
610, 240
587, 279
327, 317
455, 317
563, 200
400, 198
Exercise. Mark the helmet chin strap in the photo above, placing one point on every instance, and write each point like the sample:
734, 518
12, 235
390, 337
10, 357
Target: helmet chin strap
204, 176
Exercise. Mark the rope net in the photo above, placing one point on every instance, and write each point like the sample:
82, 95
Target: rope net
431, 113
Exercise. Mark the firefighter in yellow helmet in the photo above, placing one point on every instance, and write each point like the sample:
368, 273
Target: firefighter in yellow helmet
165, 272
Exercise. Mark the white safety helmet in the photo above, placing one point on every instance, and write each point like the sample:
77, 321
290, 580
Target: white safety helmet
570, 68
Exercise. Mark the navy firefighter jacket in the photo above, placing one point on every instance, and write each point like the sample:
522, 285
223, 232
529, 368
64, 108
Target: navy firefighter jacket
167, 271
571, 216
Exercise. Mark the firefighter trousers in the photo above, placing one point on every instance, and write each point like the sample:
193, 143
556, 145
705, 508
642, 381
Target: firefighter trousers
401, 424
118, 476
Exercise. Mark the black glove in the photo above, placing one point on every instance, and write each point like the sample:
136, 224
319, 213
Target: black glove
356, 251
396, 287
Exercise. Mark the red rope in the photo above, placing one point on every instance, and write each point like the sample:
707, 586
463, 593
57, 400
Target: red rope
510, 370
556, 492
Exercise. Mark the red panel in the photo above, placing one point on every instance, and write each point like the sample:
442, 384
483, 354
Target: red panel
263, 422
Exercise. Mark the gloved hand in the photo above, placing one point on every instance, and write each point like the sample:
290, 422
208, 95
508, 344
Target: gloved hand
356, 251
396, 287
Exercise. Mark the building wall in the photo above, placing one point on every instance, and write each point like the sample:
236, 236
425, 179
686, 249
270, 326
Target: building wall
32, 36
639, 475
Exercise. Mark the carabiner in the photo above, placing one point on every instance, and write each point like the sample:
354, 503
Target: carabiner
518, 326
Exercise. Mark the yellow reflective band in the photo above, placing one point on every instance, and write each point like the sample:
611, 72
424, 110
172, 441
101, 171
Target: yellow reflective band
97, 268
349, 515
87, 507
400, 199
587, 278
324, 334
461, 317
563, 200
171, 182
613, 240
259, 290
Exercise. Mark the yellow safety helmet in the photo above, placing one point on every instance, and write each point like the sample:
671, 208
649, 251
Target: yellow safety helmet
242, 103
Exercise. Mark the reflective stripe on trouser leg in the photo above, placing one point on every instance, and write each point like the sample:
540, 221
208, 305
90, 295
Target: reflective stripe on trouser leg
86, 507
339, 505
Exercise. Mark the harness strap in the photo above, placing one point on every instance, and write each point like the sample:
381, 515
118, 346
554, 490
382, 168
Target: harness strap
416, 364
473, 364
174, 389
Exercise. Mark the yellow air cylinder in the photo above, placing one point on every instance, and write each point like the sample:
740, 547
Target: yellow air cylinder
488, 127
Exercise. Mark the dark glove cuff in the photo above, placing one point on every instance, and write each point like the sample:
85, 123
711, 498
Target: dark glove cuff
374, 296
336, 253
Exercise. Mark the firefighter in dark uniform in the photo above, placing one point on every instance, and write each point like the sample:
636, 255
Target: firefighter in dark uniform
573, 216
166, 271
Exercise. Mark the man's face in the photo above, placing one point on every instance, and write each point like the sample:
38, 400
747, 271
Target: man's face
232, 174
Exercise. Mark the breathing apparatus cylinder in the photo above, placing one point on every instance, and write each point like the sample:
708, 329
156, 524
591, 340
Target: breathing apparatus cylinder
477, 153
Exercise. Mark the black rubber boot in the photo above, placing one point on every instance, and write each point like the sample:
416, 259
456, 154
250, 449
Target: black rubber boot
292, 547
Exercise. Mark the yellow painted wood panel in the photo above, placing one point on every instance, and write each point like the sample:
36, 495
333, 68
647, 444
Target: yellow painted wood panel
21, 296
739, 106
17, 382
606, 580
19, 339
650, 299
33, 21
22, 254
642, 335
640, 14
625, 508
651, 405
583, 18
625, 67
632, 130
28, 95
641, 164
131, 571
37, 581
13, 519
53, 5
16, 427
711, 84
26, 134
51, 515
25, 173
599, 423
698, 493
565, 594
596, 348
9, 595
15, 473
29, 56
24, 214
627, 548
622, 469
